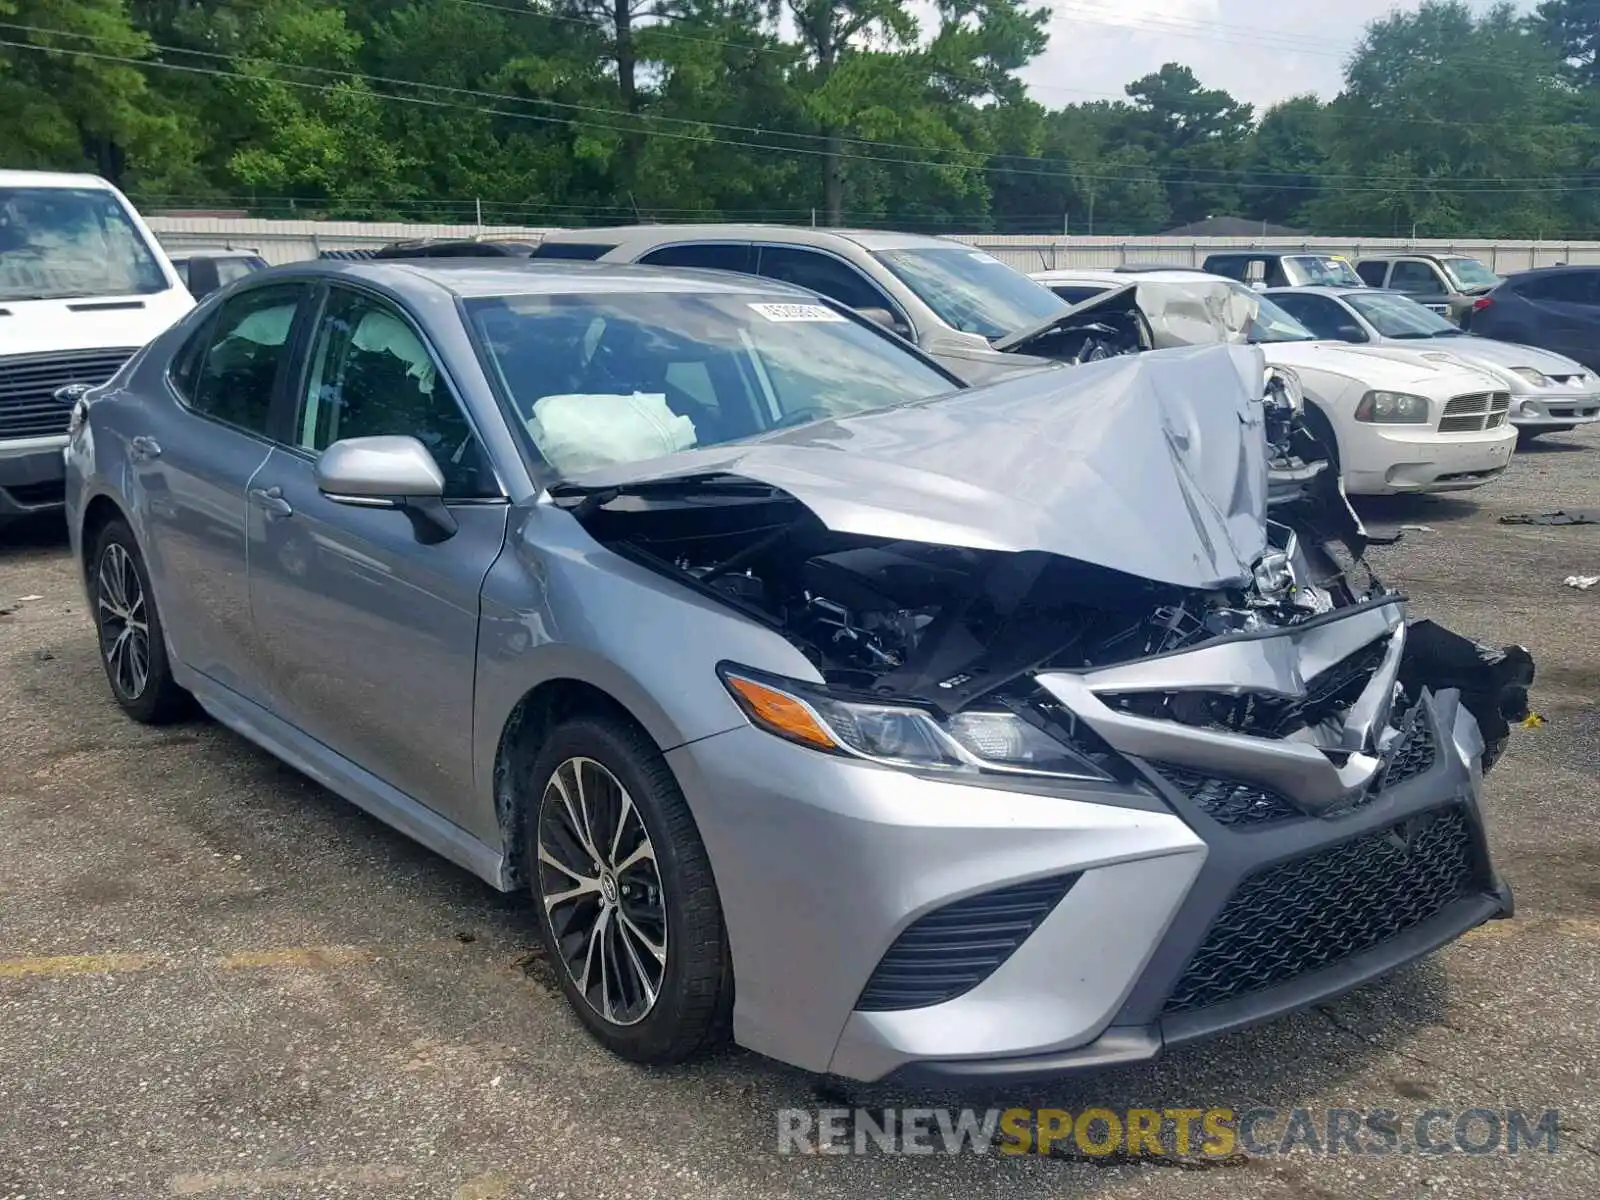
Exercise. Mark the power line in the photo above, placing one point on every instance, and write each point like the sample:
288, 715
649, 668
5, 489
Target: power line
1241, 178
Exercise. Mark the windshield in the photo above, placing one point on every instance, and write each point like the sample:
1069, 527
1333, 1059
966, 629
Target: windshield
1400, 316
1271, 323
1321, 270
973, 291
598, 380
1470, 274
61, 242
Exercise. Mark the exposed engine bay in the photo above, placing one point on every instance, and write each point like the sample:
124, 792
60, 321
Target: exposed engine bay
815, 534
950, 627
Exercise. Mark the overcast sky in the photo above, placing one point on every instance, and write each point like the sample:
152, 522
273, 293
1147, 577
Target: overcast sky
1260, 50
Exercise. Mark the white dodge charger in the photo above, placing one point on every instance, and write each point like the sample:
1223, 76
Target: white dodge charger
1400, 420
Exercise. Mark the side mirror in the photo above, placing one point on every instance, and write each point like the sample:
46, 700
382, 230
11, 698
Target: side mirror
388, 472
203, 277
882, 316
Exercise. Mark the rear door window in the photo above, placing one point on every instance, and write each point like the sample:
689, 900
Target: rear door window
822, 273
234, 378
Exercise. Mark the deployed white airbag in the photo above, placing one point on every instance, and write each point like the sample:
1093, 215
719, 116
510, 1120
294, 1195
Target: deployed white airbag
579, 432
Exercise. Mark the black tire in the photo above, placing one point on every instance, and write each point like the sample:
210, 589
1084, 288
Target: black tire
115, 562
1322, 429
1525, 436
690, 1009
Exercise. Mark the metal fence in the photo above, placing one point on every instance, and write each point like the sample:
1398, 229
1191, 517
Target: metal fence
293, 241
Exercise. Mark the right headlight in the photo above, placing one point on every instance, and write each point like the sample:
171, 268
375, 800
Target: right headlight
971, 743
1537, 378
1392, 408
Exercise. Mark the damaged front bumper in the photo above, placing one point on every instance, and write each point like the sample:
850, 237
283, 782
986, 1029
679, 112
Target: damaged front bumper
1233, 877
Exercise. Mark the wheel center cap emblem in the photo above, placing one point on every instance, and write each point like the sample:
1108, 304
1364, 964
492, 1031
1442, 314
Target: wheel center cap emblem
608, 887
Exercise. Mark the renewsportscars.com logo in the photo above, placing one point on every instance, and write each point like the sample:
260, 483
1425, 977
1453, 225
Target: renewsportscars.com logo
1215, 1133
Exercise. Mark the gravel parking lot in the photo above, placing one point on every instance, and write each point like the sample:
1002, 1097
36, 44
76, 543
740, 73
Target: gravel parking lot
217, 979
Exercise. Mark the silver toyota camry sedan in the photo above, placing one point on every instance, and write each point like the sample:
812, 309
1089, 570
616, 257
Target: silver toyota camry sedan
886, 726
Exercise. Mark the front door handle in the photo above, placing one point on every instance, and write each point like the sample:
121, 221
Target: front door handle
272, 501
143, 449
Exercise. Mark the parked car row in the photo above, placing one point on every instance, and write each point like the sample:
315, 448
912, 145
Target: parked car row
1410, 402
784, 628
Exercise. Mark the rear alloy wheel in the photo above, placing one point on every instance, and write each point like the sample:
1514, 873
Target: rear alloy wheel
132, 647
626, 904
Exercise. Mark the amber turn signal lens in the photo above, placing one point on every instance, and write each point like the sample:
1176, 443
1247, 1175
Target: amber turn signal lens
780, 713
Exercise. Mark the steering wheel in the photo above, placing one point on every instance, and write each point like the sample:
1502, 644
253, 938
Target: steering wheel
802, 415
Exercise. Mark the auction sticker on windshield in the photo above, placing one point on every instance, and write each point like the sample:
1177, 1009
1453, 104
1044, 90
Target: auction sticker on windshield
796, 312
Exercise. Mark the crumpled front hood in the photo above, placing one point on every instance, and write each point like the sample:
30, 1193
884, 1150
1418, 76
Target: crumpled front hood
1197, 313
1152, 464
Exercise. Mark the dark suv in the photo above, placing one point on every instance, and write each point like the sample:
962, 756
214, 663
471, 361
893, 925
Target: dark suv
1554, 308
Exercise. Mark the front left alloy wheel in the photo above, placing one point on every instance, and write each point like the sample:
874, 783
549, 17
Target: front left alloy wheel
625, 900
133, 649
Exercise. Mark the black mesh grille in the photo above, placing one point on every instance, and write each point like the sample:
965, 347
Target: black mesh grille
1229, 801
28, 406
955, 948
1300, 916
1414, 755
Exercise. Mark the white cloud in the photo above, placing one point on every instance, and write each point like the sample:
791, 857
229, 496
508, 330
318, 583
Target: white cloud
1262, 51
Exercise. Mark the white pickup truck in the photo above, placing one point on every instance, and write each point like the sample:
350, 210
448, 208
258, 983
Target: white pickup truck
83, 284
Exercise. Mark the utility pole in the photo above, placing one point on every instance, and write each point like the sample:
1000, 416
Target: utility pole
1091, 210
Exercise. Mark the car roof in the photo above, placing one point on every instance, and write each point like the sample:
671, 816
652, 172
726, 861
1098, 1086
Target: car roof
1554, 270
474, 277
1335, 290
1281, 252
1390, 255
53, 179
641, 235
1115, 278
177, 252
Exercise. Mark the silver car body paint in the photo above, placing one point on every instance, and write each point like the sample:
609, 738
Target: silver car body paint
391, 671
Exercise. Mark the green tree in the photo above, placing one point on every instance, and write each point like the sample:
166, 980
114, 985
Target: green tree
1198, 135
74, 97
1452, 123
1572, 28
835, 97
1286, 159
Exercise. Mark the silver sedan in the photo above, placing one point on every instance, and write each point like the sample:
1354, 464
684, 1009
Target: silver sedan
1549, 392
814, 698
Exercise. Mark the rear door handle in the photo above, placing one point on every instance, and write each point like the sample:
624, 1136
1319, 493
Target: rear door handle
272, 501
144, 448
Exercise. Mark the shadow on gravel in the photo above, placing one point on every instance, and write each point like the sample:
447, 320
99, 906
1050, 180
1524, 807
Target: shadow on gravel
1385, 514
1547, 444
28, 536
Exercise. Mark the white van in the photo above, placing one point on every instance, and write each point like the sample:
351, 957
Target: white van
83, 284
